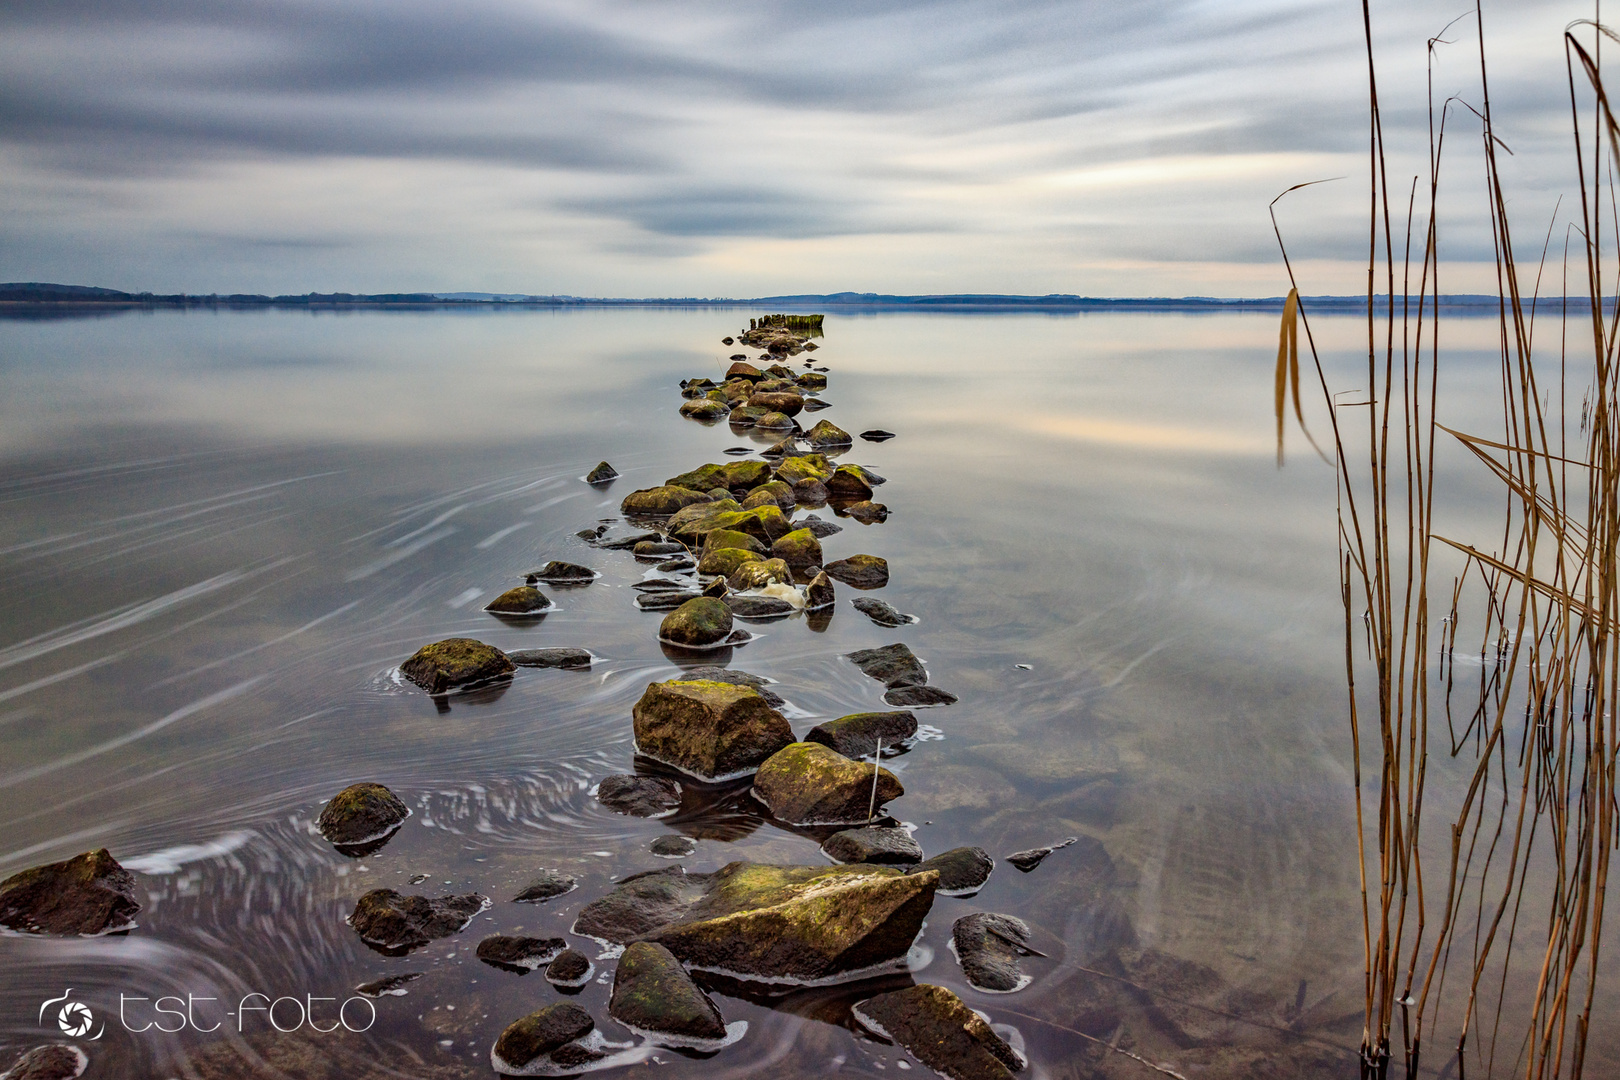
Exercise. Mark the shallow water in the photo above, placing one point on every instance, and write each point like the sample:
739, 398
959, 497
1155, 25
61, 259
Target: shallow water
223, 532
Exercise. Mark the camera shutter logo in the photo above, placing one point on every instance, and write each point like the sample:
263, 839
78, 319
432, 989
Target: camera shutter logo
74, 1018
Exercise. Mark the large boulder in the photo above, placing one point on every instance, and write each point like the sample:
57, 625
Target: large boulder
692, 524
962, 871
361, 814
861, 571
858, 734
809, 784
711, 730
390, 921
988, 947
892, 665
660, 501
543, 1034
940, 1031
799, 548
87, 894
455, 662
697, 623
732, 475
735, 678
654, 997
770, 923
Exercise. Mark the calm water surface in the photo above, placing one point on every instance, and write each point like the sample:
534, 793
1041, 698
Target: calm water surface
223, 532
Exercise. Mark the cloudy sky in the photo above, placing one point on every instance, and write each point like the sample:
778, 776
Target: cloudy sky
632, 148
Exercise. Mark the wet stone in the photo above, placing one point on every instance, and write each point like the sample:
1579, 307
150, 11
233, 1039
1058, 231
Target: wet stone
601, 474
650, 549
866, 512
825, 433
704, 409
560, 657
548, 886
563, 573
662, 501
962, 871
918, 697
388, 920
891, 845
757, 575
816, 404
700, 622
631, 543
1030, 859
454, 663
711, 730
799, 548
673, 846
521, 953
939, 1030
361, 813
882, 612
861, 571
639, 796
87, 894
988, 947
652, 993
523, 600
857, 735
819, 594
666, 599
540, 1034
736, 678
876, 435
810, 784
392, 986
892, 665
758, 607
820, 527
59, 1061
675, 565
570, 968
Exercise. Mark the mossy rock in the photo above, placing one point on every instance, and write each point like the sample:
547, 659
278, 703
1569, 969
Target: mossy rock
87, 894
731, 538
746, 475
726, 561
719, 394
658, 549
774, 385
811, 493
858, 734
827, 433
390, 921
788, 402
692, 524
652, 993
804, 467
940, 1031
812, 380
756, 574
702, 478
662, 501
780, 371
601, 474
861, 571
523, 600
741, 369
705, 409
540, 1034
775, 420
737, 391
819, 594
810, 784
761, 922
707, 729
866, 511
746, 416
455, 662
774, 493
798, 549
362, 813
848, 484
696, 623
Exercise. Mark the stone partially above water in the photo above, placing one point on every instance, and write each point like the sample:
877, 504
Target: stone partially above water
798, 549
918, 697
988, 946
888, 845
757, 575
1029, 860
601, 474
640, 796
59, 1061
795, 924
561, 657
827, 434
541, 1035
523, 600
820, 527
892, 665
87, 894
361, 814
810, 784
711, 730
661, 501
697, 623
673, 846
654, 996
548, 886
570, 968
860, 571
819, 593
866, 511
939, 1030
858, 734
453, 663
735, 678
519, 953
962, 871
390, 921
882, 612
558, 572
758, 607
725, 561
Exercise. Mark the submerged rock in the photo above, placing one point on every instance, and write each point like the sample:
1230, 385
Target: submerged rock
667, 600
523, 600
758, 607
601, 474
673, 846
735, 678
857, 735
889, 845
570, 968
453, 663
541, 1034
360, 814
59, 1061
697, 623
939, 1030
640, 796
660, 501
561, 657
774, 923
819, 595
881, 612
87, 894
799, 548
548, 886
519, 953
892, 665
711, 730
391, 986
876, 435
962, 871
811, 784
860, 571
1030, 859
564, 573
988, 947
388, 920
629, 543
653, 549
918, 697
654, 996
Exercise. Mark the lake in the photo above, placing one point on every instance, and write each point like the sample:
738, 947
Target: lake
224, 531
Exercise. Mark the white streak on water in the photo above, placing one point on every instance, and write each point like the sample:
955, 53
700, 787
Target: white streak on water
60, 676
496, 537
70, 840
400, 555
171, 859
435, 523
289, 635
465, 598
535, 509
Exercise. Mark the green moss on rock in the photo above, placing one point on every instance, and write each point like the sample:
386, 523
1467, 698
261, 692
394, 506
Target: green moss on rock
708, 729
698, 622
455, 662
810, 784
361, 813
799, 548
662, 501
